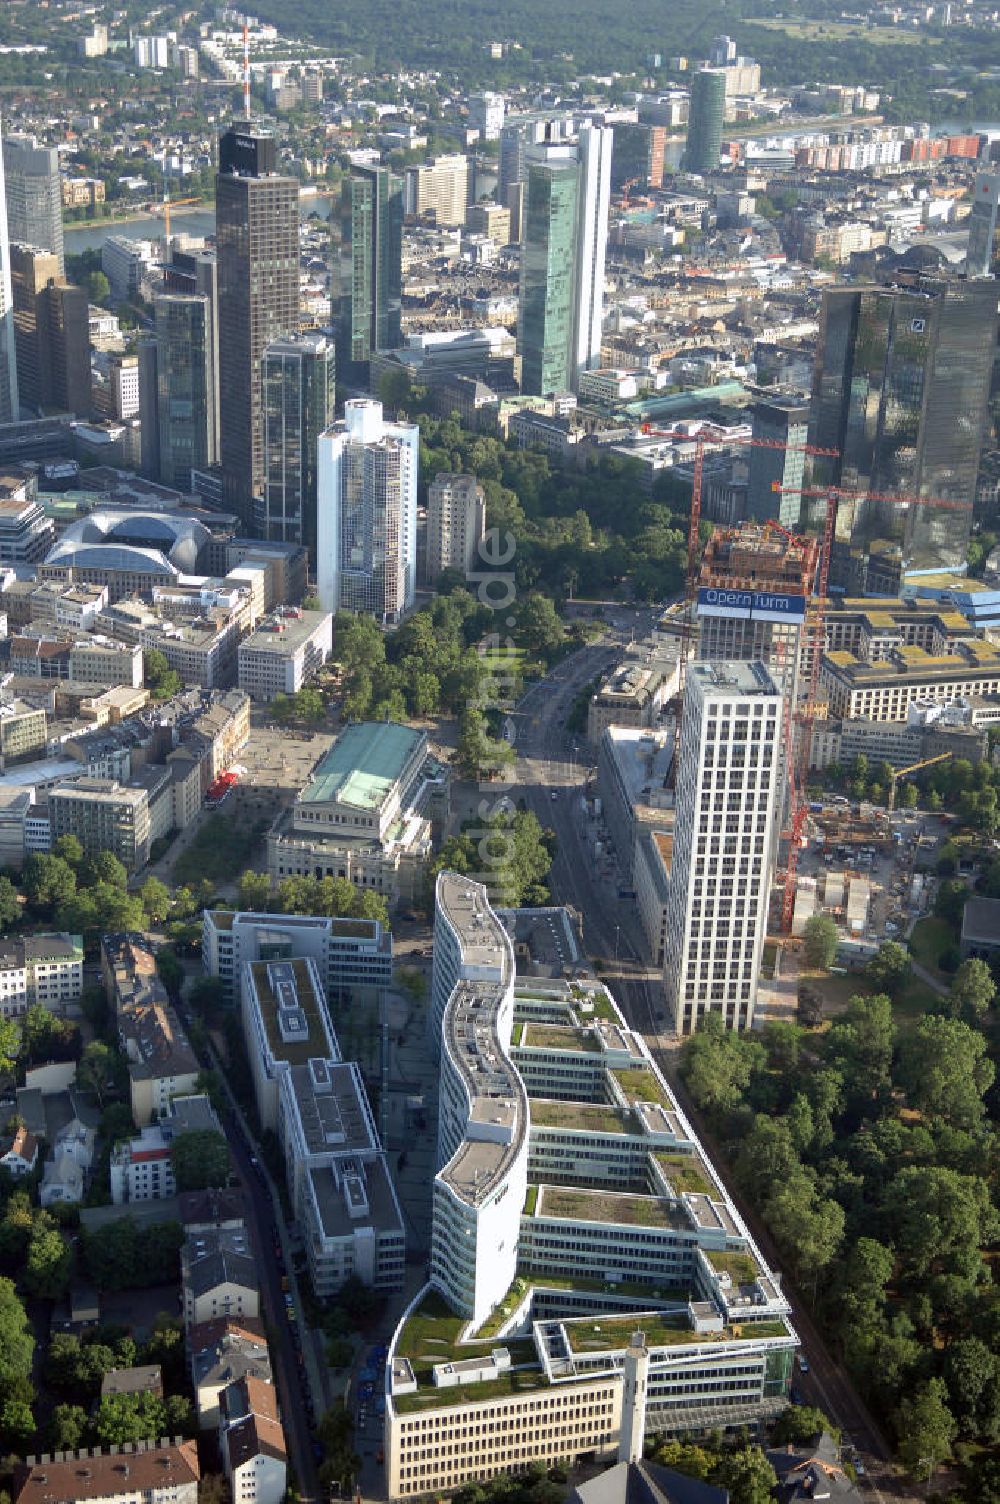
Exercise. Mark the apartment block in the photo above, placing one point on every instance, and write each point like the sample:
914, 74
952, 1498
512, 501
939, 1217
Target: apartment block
142, 1167
283, 652
104, 815
456, 525
44, 969
22, 731
352, 955
152, 1472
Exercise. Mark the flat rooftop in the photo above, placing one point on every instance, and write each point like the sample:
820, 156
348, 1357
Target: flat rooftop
466, 905
294, 1013
499, 1104
574, 1204
333, 1112
336, 1220
283, 634
731, 679
582, 1117
644, 759
363, 766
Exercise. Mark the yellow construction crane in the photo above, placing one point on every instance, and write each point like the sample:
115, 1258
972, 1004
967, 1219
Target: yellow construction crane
913, 768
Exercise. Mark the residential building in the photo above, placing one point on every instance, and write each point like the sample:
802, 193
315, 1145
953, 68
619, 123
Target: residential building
42, 969
218, 1276
982, 256
185, 389
283, 652
369, 301
703, 147
814, 1471
257, 218
562, 267
66, 1170
440, 187
152, 1473
776, 474
142, 1167
141, 1378
51, 334
981, 928
252, 1442
21, 1157
34, 197
367, 523
548, 1105
900, 391
298, 404
161, 1063
22, 731
728, 799
104, 815
221, 1352
456, 525
9, 402
365, 813
353, 956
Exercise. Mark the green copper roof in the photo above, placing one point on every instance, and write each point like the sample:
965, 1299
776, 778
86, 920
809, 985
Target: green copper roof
362, 765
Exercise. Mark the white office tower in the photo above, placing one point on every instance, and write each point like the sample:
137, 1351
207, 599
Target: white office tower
366, 544
595, 147
8, 367
720, 881
982, 257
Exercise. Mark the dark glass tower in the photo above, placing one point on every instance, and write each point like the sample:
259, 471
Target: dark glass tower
371, 270
900, 388
185, 387
298, 407
257, 227
707, 112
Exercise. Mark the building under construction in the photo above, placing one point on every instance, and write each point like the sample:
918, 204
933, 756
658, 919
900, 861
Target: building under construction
753, 591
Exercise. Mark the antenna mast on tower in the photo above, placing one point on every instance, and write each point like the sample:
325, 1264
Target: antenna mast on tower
246, 72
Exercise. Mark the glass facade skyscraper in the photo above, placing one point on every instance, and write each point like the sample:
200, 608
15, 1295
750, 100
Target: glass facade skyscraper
900, 389
298, 406
185, 387
707, 112
257, 231
34, 195
371, 269
982, 257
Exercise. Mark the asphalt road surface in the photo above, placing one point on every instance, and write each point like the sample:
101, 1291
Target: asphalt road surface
552, 770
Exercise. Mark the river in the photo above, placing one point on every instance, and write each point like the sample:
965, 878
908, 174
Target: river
198, 222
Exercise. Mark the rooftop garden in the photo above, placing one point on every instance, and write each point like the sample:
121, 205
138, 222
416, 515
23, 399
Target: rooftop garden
685, 1173
600, 1206
588, 1117
602, 1006
608, 1335
740, 1266
642, 1086
431, 1335
559, 1037
515, 1381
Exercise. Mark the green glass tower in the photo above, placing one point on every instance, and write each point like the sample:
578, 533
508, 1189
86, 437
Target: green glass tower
371, 270
708, 107
298, 406
547, 275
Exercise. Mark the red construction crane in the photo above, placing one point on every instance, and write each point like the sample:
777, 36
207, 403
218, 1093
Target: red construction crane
834, 495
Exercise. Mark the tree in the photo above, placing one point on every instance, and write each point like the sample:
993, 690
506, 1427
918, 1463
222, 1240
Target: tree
67, 1427
926, 1429
938, 1220
972, 1374
170, 970
944, 1070
105, 867
748, 1476
160, 679
717, 1064
207, 994
10, 904
200, 1159
46, 1273
820, 941
98, 287
973, 991
122, 1418
861, 1044
70, 848
799, 1425
683, 1457
255, 891
98, 1070
538, 627
17, 1425
155, 899
889, 968
17, 1343
10, 1044
49, 882
214, 1489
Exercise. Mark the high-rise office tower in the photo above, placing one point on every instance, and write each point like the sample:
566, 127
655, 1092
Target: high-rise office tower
366, 550
257, 232
197, 272
638, 155
8, 361
456, 524
51, 334
184, 413
776, 476
723, 51
704, 136
34, 195
562, 262
371, 270
982, 256
298, 407
720, 880
900, 390
442, 187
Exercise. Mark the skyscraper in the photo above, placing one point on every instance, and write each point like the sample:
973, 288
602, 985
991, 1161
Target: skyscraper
442, 187
298, 407
185, 388
34, 195
366, 549
982, 256
778, 421
708, 107
257, 230
900, 389
456, 524
638, 155
194, 272
8, 362
562, 263
720, 879
51, 334
371, 270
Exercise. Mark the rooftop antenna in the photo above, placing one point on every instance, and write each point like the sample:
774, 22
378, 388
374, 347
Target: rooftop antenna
246, 72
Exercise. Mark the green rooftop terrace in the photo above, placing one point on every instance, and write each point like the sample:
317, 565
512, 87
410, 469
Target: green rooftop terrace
363, 765
738, 1265
600, 1206
685, 1173
559, 1037
295, 1051
586, 1117
608, 1335
642, 1086
431, 1335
